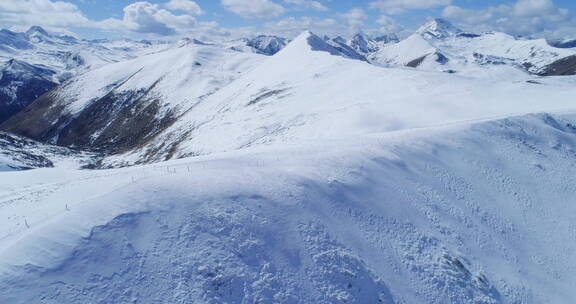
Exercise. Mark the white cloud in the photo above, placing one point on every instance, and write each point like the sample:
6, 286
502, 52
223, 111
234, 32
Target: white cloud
141, 17
41, 12
538, 18
388, 24
188, 6
394, 7
318, 6
309, 4
355, 17
534, 7
291, 26
145, 17
254, 8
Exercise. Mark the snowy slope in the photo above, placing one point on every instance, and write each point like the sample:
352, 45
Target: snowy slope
329, 96
468, 213
44, 60
407, 53
119, 105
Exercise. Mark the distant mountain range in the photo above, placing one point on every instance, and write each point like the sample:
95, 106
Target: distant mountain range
117, 96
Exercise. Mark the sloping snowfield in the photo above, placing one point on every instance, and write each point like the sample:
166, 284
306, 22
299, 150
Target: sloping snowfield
467, 213
309, 91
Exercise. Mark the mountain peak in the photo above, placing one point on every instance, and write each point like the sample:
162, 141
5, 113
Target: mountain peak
308, 41
438, 28
37, 30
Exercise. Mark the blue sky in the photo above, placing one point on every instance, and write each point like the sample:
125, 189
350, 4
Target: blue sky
227, 18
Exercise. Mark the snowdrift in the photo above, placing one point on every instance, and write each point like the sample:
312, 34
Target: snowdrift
466, 213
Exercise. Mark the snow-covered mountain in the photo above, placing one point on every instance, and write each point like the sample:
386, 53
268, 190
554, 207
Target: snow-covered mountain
20, 84
438, 29
438, 45
366, 46
201, 99
120, 106
263, 44
34, 62
253, 179
66, 55
287, 106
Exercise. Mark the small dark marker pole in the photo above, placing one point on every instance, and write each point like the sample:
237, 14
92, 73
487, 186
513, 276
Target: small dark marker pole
26, 223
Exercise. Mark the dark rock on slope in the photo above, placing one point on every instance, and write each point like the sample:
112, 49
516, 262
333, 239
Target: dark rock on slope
20, 84
117, 122
563, 67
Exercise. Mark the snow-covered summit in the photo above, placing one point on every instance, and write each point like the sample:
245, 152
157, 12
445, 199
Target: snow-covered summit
362, 44
267, 45
308, 41
367, 46
37, 34
438, 28
440, 46
262, 44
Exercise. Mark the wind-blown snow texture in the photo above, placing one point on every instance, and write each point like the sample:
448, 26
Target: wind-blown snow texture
475, 213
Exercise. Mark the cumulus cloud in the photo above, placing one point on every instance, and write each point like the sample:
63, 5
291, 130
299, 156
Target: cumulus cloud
291, 26
394, 7
388, 25
252, 9
41, 12
355, 17
309, 4
145, 17
141, 17
539, 18
188, 6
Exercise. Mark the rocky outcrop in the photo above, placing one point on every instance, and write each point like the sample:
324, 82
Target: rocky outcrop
116, 122
563, 67
20, 84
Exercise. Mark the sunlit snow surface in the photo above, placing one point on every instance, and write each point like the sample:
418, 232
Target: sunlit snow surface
348, 184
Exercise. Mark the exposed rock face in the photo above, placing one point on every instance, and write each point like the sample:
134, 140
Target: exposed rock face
20, 85
18, 149
362, 44
565, 44
388, 38
267, 45
563, 67
114, 123
436, 56
17, 153
341, 45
